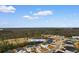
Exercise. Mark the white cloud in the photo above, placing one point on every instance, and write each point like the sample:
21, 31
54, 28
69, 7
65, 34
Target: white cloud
30, 17
7, 9
44, 13
38, 14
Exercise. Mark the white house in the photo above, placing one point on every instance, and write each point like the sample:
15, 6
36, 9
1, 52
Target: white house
75, 37
37, 40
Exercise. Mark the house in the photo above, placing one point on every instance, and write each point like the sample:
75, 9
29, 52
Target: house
75, 37
37, 40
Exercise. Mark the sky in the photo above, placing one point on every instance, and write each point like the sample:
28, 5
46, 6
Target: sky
25, 16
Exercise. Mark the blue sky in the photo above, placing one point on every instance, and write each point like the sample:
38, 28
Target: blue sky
39, 16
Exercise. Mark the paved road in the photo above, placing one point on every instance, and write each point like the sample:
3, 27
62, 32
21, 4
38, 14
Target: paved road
59, 45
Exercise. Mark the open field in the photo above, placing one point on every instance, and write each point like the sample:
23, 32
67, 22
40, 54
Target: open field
12, 43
